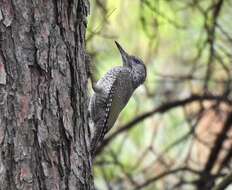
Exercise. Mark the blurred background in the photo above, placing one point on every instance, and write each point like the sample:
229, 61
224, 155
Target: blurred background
175, 133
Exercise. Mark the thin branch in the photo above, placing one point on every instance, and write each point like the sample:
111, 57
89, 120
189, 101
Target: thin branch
206, 180
162, 175
224, 183
211, 32
162, 109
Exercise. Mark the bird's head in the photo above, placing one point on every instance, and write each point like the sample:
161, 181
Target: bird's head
138, 68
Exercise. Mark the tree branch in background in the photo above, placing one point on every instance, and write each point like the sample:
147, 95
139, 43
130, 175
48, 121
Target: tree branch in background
205, 179
161, 109
226, 181
164, 174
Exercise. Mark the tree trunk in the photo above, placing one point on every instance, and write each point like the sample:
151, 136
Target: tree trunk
43, 95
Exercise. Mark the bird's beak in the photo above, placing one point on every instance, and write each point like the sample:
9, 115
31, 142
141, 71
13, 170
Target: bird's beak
125, 56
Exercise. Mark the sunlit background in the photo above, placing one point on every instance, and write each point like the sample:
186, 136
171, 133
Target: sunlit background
174, 133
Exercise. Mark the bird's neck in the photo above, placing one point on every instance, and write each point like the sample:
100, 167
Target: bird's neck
137, 77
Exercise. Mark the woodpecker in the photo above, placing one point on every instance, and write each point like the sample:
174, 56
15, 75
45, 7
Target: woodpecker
111, 94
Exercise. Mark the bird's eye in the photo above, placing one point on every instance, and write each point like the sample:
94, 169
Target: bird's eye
137, 61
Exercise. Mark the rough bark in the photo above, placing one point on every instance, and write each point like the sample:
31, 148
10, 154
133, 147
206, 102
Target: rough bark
43, 95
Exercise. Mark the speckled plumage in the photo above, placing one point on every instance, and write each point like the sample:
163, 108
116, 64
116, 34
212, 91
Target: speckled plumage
112, 93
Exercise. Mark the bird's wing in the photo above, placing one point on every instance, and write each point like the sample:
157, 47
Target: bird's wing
109, 102
100, 113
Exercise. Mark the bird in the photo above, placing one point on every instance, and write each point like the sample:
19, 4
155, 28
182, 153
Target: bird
112, 93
